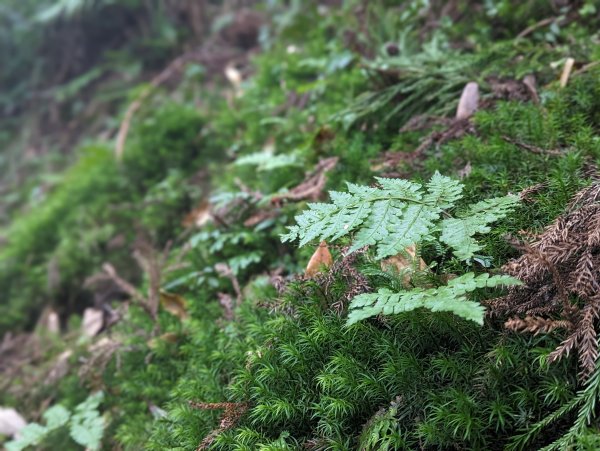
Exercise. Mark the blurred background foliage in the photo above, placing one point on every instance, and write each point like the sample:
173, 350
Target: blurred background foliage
265, 91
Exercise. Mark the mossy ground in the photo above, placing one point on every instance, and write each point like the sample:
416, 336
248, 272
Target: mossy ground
414, 381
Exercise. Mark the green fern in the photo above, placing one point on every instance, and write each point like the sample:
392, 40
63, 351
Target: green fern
448, 298
86, 425
398, 214
458, 232
266, 161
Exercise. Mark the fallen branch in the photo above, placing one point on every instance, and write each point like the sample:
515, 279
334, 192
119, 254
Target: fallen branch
531, 148
174, 67
312, 186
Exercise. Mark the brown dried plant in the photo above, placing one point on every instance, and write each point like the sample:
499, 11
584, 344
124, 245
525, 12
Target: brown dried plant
561, 274
232, 412
344, 268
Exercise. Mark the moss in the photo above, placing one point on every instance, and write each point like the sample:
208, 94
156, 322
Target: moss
418, 380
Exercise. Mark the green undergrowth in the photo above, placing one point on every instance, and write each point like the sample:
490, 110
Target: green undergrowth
302, 376
66, 236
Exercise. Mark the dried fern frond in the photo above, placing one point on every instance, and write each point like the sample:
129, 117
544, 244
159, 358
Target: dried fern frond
561, 272
536, 324
232, 412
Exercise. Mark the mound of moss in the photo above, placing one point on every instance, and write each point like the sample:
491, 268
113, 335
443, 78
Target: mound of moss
256, 356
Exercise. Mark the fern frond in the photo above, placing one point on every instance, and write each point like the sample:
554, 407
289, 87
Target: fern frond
397, 214
458, 232
266, 161
448, 298
443, 191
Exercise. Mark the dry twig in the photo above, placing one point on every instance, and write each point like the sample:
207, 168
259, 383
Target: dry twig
233, 411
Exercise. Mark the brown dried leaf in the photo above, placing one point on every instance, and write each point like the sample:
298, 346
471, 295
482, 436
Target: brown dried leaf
566, 73
404, 263
465, 171
60, 368
93, 321
174, 304
557, 266
536, 325
259, 217
49, 321
199, 216
232, 413
321, 258
312, 186
530, 83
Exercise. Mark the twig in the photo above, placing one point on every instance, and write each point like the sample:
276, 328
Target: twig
175, 66
586, 67
542, 23
531, 148
128, 288
224, 270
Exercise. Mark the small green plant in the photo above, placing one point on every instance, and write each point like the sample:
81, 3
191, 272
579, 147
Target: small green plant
398, 214
85, 425
448, 298
265, 161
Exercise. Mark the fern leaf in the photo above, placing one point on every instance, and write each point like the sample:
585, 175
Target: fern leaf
266, 161
375, 228
88, 433
448, 298
443, 192
400, 188
417, 222
31, 435
87, 425
458, 232
56, 416
399, 214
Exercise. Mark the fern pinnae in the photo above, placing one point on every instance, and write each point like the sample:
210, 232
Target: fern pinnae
443, 192
400, 213
448, 298
416, 222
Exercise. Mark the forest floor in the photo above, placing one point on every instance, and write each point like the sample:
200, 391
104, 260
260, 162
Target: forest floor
328, 226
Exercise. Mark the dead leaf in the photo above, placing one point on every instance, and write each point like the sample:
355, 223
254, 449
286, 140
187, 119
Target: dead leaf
312, 186
199, 216
228, 305
93, 320
259, 217
465, 171
60, 368
469, 101
530, 83
11, 422
174, 304
404, 263
156, 411
235, 77
49, 321
321, 258
566, 73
